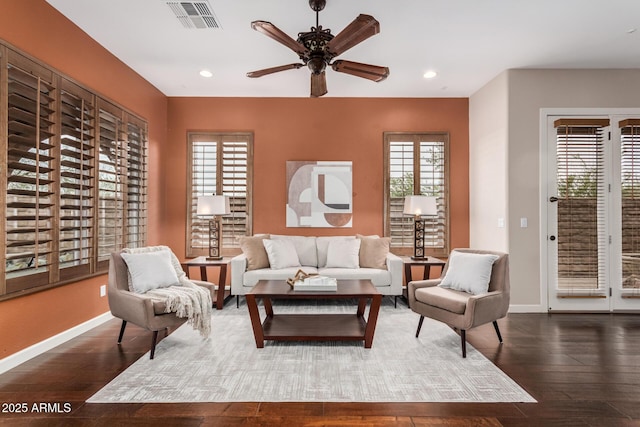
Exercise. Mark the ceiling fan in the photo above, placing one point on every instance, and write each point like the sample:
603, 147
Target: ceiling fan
317, 48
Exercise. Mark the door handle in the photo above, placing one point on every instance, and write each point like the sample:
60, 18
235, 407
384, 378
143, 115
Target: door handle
553, 199
552, 238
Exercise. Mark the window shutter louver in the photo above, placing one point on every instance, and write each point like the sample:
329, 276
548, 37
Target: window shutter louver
30, 195
77, 172
112, 170
582, 229
204, 161
136, 183
432, 183
401, 172
235, 157
630, 187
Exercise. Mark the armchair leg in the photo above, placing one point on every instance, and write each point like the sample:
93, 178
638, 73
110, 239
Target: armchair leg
419, 325
495, 325
154, 339
124, 325
463, 340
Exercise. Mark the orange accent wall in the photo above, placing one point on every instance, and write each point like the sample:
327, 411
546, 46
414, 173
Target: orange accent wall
316, 129
37, 29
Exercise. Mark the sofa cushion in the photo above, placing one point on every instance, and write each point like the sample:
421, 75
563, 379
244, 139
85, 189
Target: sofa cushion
281, 253
254, 250
305, 248
378, 277
150, 270
343, 253
373, 251
468, 272
250, 278
322, 244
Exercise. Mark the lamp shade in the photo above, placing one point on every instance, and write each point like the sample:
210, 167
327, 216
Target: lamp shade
420, 205
213, 205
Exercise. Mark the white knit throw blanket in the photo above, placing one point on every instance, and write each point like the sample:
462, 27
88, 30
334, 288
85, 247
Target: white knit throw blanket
186, 299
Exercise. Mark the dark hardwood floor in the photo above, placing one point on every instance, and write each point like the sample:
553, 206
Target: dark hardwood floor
583, 369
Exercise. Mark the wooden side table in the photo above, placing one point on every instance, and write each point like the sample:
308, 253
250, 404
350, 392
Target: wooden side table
426, 263
222, 293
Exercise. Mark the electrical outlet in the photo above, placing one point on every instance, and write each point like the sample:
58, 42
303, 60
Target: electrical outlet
500, 222
524, 223
103, 290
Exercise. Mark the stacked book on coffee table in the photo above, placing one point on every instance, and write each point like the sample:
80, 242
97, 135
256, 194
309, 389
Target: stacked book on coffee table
316, 284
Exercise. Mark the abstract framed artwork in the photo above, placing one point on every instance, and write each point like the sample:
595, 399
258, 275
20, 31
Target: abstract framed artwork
319, 194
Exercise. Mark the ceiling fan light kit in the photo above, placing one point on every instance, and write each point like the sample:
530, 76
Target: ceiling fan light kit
317, 49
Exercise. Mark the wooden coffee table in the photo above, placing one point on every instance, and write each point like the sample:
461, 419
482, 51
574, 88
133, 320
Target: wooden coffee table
314, 326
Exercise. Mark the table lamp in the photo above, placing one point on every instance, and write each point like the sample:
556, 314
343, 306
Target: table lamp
419, 207
214, 206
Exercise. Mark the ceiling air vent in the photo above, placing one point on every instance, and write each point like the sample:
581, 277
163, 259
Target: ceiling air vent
194, 14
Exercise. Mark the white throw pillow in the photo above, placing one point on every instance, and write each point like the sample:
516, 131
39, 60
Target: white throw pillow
322, 244
281, 253
150, 270
343, 253
305, 247
469, 272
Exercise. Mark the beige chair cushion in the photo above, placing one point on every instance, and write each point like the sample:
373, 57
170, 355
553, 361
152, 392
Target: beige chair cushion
446, 299
253, 248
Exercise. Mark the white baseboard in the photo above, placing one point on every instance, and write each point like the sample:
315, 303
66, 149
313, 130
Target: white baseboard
22, 356
527, 308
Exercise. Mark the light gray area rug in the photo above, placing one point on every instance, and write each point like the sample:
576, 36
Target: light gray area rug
228, 367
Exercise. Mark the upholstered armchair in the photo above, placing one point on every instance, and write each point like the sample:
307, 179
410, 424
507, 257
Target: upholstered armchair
140, 309
465, 305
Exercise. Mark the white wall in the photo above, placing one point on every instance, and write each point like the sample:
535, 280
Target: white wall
528, 91
488, 148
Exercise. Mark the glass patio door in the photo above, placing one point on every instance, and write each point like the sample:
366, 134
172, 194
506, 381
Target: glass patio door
593, 214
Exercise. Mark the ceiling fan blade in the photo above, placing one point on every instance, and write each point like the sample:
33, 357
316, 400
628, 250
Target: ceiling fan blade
318, 84
360, 29
366, 71
272, 70
278, 35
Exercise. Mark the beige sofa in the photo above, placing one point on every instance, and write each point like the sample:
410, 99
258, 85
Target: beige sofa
342, 257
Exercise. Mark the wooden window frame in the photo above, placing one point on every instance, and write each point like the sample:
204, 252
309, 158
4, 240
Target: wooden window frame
241, 211
401, 244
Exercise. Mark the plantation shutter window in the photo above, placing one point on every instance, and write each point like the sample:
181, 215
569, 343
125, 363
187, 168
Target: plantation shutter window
220, 163
582, 230
416, 164
630, 188
77, 181
74, 170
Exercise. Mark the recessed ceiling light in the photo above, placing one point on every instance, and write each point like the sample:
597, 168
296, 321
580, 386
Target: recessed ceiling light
206, 73
429, 74
632, 30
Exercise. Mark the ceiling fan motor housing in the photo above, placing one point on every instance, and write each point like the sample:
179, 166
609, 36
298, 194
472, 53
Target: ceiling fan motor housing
317, 64
317, 56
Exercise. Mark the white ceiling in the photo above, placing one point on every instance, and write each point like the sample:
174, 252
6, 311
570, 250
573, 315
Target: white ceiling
468, 42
